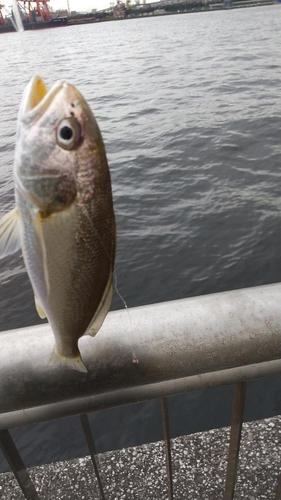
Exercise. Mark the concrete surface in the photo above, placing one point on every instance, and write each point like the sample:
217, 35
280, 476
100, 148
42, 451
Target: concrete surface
199, 466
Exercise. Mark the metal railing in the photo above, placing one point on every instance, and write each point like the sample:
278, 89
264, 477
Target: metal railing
145, 353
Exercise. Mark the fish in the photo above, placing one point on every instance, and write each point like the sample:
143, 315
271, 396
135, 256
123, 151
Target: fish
63, 219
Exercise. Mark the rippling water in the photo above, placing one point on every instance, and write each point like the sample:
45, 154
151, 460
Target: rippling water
190, 111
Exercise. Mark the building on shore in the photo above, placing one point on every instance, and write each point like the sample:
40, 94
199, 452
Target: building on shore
119, 11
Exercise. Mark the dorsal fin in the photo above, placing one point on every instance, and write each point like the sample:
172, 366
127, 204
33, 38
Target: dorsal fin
102, 310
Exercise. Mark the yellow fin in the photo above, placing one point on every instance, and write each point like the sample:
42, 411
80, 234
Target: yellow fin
39, 308
37, 222
10, 233
73, 363
102, 311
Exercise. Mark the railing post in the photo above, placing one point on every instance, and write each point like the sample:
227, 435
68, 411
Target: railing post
166, 430
14, 460
235, 437
92, 449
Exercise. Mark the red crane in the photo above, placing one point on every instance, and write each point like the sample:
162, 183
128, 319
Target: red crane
40, 8
3, 21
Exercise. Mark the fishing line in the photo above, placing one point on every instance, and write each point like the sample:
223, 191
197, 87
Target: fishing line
135, 359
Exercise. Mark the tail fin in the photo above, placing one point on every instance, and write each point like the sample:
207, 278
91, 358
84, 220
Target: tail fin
73, 363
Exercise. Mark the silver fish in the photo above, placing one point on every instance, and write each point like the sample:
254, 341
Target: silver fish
64, 218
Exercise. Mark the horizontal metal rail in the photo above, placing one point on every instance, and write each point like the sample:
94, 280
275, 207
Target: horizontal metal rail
137, 394
149, 352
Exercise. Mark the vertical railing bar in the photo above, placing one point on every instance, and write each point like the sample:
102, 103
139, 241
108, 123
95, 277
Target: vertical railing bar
235, 437
92, 449
278, 489
166, 430
14, 460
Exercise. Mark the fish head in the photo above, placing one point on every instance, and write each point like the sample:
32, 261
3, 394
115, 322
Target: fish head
59, 153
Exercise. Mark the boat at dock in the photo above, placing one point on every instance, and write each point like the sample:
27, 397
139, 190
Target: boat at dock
36, 15
54, 23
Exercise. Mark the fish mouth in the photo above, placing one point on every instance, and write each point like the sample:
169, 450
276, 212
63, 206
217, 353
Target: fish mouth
37, 98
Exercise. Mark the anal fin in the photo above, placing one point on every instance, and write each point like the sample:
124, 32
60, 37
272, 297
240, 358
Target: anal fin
39, 308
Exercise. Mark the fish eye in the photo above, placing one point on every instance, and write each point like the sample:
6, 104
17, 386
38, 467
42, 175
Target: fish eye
69, 133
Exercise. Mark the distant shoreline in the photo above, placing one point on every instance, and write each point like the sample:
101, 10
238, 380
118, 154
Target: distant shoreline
212, 7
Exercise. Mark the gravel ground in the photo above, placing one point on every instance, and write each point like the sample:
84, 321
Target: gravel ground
199, 468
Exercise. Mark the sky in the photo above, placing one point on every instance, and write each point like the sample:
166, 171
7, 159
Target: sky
81, 5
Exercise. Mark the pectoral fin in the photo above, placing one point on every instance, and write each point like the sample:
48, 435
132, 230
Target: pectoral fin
39, 308
10, 241
37, 222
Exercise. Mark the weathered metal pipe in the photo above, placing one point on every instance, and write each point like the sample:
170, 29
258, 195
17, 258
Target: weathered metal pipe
156, 344
135, 394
